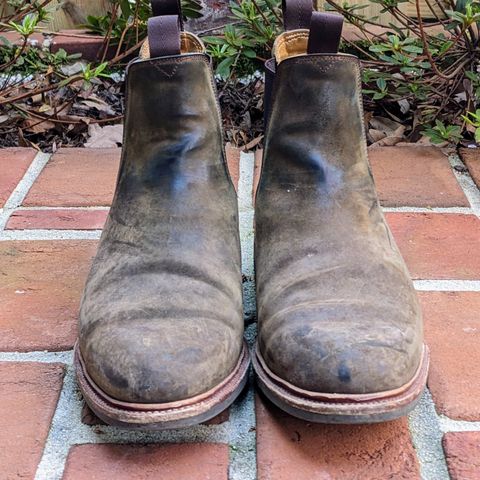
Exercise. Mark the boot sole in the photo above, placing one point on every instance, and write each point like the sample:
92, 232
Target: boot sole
149, 416
341, 408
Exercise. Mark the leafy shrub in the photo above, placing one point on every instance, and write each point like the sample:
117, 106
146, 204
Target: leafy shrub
425, 75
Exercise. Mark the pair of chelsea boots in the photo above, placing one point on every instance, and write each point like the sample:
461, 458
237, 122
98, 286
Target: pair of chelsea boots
161, 321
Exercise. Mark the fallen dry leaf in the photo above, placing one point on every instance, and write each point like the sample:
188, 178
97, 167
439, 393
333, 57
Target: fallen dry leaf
35, 125
253, 143
376, 135
385, 125
104, 137
395, 137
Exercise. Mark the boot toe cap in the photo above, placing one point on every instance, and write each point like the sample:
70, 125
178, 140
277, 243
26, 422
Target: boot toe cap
341, 360
144, 364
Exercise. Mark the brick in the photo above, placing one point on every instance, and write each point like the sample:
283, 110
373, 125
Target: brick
290, 448
14, 162
58, 219
81, 41
89, 417
471, 158
76, 177
414, 176
233, 163
438, 246
41, 287
147, 462
452, 331
73, 41
28, 396
462, 451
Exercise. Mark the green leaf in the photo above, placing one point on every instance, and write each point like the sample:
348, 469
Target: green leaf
223, 68
412, 49
249, 53
5, 41
381, 83
477, 135
125, 8
460, 5
379, 95
214, 40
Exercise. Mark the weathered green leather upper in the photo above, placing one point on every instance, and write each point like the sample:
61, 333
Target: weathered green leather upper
337, 310
161, 317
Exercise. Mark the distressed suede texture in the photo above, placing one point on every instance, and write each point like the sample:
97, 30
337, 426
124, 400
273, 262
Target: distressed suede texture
161, 317
337, 310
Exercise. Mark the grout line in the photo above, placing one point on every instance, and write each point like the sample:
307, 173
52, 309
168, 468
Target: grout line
466, 182
245, 213
450, 425
447, 285
23, 186
242, 425
456, 210
427, 439
50, 235
87, 208
427, 429
38, 356
242, 436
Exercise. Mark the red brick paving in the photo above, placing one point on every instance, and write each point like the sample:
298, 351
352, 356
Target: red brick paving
58, 219
462, 450
288, 448
42, 283
28, 397
14, 162
438, 246
40, 292
471, 158
233, 163
415, 177
152, 462
452, 331
76, 177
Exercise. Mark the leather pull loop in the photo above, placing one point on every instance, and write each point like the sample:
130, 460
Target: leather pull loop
164, 35
167, 7
325, 32
296, 13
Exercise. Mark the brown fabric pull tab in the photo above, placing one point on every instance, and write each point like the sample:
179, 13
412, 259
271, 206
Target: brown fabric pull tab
325, 32
167, 7
164, 35
296, 13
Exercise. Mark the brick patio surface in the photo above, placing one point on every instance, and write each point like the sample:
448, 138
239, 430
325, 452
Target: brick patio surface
52, 209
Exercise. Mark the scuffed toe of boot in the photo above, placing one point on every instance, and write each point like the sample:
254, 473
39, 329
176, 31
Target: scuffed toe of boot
137, 362
329, 358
